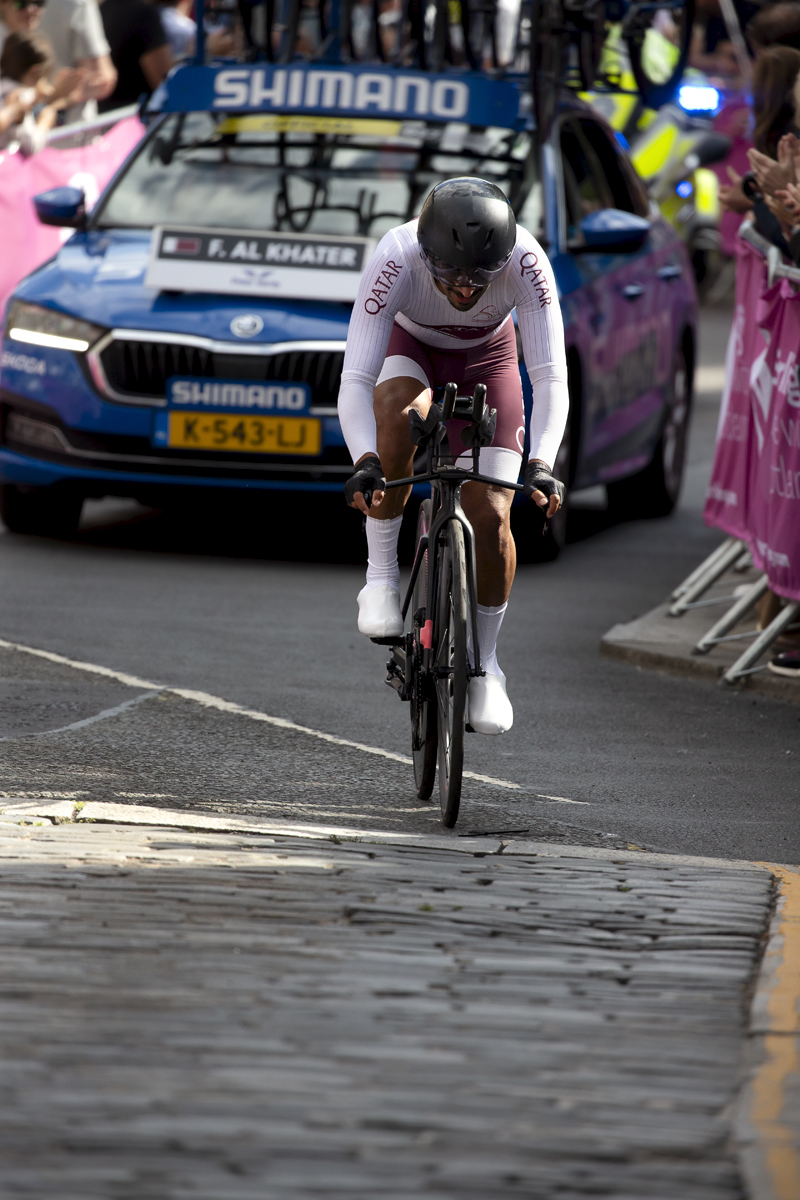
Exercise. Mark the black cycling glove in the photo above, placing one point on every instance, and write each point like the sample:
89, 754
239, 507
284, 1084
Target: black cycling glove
539, 479
368, 478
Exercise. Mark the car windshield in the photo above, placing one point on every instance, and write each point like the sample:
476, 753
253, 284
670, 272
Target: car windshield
212, 170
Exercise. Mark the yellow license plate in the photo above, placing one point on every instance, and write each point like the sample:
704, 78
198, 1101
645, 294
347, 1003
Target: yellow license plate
247, 435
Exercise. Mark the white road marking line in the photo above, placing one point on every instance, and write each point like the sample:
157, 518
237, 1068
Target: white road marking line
563, 800
120, 676
101, 716
282, 723
209, 701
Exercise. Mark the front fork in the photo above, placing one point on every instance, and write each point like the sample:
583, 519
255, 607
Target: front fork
398, 675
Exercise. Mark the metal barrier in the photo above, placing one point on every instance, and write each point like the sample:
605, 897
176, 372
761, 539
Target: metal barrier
776, 269
728, 555
733, 554
66, 133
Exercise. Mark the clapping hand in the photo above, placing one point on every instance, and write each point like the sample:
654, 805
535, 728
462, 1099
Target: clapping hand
732, 197
772, 176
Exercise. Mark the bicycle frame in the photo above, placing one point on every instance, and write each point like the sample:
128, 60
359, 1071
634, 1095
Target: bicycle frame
446, 480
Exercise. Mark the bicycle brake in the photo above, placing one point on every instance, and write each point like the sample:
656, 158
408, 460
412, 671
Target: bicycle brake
481, 434
424, 430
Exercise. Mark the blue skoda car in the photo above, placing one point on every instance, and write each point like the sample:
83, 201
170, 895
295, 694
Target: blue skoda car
191, 332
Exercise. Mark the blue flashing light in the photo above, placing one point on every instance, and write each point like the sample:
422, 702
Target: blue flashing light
623, 141
684, 189
699, 98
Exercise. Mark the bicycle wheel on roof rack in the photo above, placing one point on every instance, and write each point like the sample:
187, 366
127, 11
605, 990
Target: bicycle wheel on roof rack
478, 25
434, 44
591, 28
548, 47
657, 34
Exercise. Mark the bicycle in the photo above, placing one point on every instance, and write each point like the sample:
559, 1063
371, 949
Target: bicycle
430, 665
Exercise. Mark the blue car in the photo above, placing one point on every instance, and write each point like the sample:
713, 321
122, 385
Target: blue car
191, 332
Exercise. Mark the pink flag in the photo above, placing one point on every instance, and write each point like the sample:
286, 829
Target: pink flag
27, 243
773, 506
726, 498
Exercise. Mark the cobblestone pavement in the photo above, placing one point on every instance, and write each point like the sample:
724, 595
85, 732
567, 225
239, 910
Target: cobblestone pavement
226, 1016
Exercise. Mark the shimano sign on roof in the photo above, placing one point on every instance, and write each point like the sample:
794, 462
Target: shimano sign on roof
351, 90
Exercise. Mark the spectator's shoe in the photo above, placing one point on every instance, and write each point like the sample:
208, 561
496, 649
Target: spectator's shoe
787, 664
379, 613
488, 706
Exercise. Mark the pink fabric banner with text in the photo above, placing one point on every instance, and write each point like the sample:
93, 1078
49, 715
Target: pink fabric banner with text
27, 243
726, 498
773, 500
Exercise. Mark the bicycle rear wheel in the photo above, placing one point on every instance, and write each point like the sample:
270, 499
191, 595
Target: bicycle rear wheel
450, 667
423, 705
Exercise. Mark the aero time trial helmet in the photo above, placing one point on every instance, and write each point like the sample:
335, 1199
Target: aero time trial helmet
467, 232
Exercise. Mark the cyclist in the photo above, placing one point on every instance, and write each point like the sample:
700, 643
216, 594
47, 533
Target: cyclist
434, 307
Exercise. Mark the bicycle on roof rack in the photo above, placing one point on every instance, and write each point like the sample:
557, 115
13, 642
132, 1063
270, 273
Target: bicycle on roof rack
543, 45
431, 665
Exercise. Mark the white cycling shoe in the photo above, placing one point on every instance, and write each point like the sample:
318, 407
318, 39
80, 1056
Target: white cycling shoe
379, 613
488, 706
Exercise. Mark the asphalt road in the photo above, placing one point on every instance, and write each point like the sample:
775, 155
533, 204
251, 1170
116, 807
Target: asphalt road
260, 611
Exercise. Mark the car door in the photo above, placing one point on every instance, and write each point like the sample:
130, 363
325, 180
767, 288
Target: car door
623, 362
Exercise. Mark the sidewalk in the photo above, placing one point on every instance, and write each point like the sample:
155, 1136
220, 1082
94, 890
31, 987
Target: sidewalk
663, 643
219, 1007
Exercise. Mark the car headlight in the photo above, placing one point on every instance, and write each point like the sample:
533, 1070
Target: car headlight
46, 327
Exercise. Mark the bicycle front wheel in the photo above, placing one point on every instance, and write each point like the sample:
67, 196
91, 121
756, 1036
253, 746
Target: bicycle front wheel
423, 707
450, 668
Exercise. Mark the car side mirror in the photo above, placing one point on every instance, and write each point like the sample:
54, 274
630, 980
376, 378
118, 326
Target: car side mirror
612, 229
62, 206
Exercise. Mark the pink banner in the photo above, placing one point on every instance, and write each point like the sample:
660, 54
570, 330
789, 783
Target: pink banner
773, 507
27, 243
726, 498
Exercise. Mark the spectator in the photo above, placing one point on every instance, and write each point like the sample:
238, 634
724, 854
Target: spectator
711, 48
25, 65
75, 29
773, 97
19, 16
139, 50
775, 25
179, 27
774, 111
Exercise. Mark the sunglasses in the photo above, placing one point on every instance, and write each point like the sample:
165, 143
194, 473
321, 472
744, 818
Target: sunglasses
462, 276
20, 5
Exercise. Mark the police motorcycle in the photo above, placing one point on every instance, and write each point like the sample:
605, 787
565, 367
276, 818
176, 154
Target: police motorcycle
673, 150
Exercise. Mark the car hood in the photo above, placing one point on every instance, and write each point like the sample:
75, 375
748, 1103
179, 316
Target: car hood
99, 276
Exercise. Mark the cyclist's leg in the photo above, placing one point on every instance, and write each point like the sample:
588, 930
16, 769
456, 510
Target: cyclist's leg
489, 508
489, 511
404, 383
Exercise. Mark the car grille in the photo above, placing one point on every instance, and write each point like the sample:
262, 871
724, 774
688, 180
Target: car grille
143, 368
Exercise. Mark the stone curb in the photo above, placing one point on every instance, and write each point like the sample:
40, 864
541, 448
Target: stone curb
659, 642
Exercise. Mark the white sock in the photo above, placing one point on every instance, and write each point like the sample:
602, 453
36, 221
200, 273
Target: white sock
382, 565
489, 622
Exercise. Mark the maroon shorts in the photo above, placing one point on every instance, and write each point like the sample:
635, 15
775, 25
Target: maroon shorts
495, 364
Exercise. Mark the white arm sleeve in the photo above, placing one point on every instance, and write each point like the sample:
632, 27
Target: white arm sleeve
542, 331
383, 287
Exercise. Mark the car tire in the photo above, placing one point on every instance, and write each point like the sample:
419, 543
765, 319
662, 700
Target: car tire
654, 491
46, 512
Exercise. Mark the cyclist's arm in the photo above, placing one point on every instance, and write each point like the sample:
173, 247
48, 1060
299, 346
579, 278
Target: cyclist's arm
383, 286
542, 332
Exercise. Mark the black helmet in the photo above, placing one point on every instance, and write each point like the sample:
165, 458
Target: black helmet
467, 232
